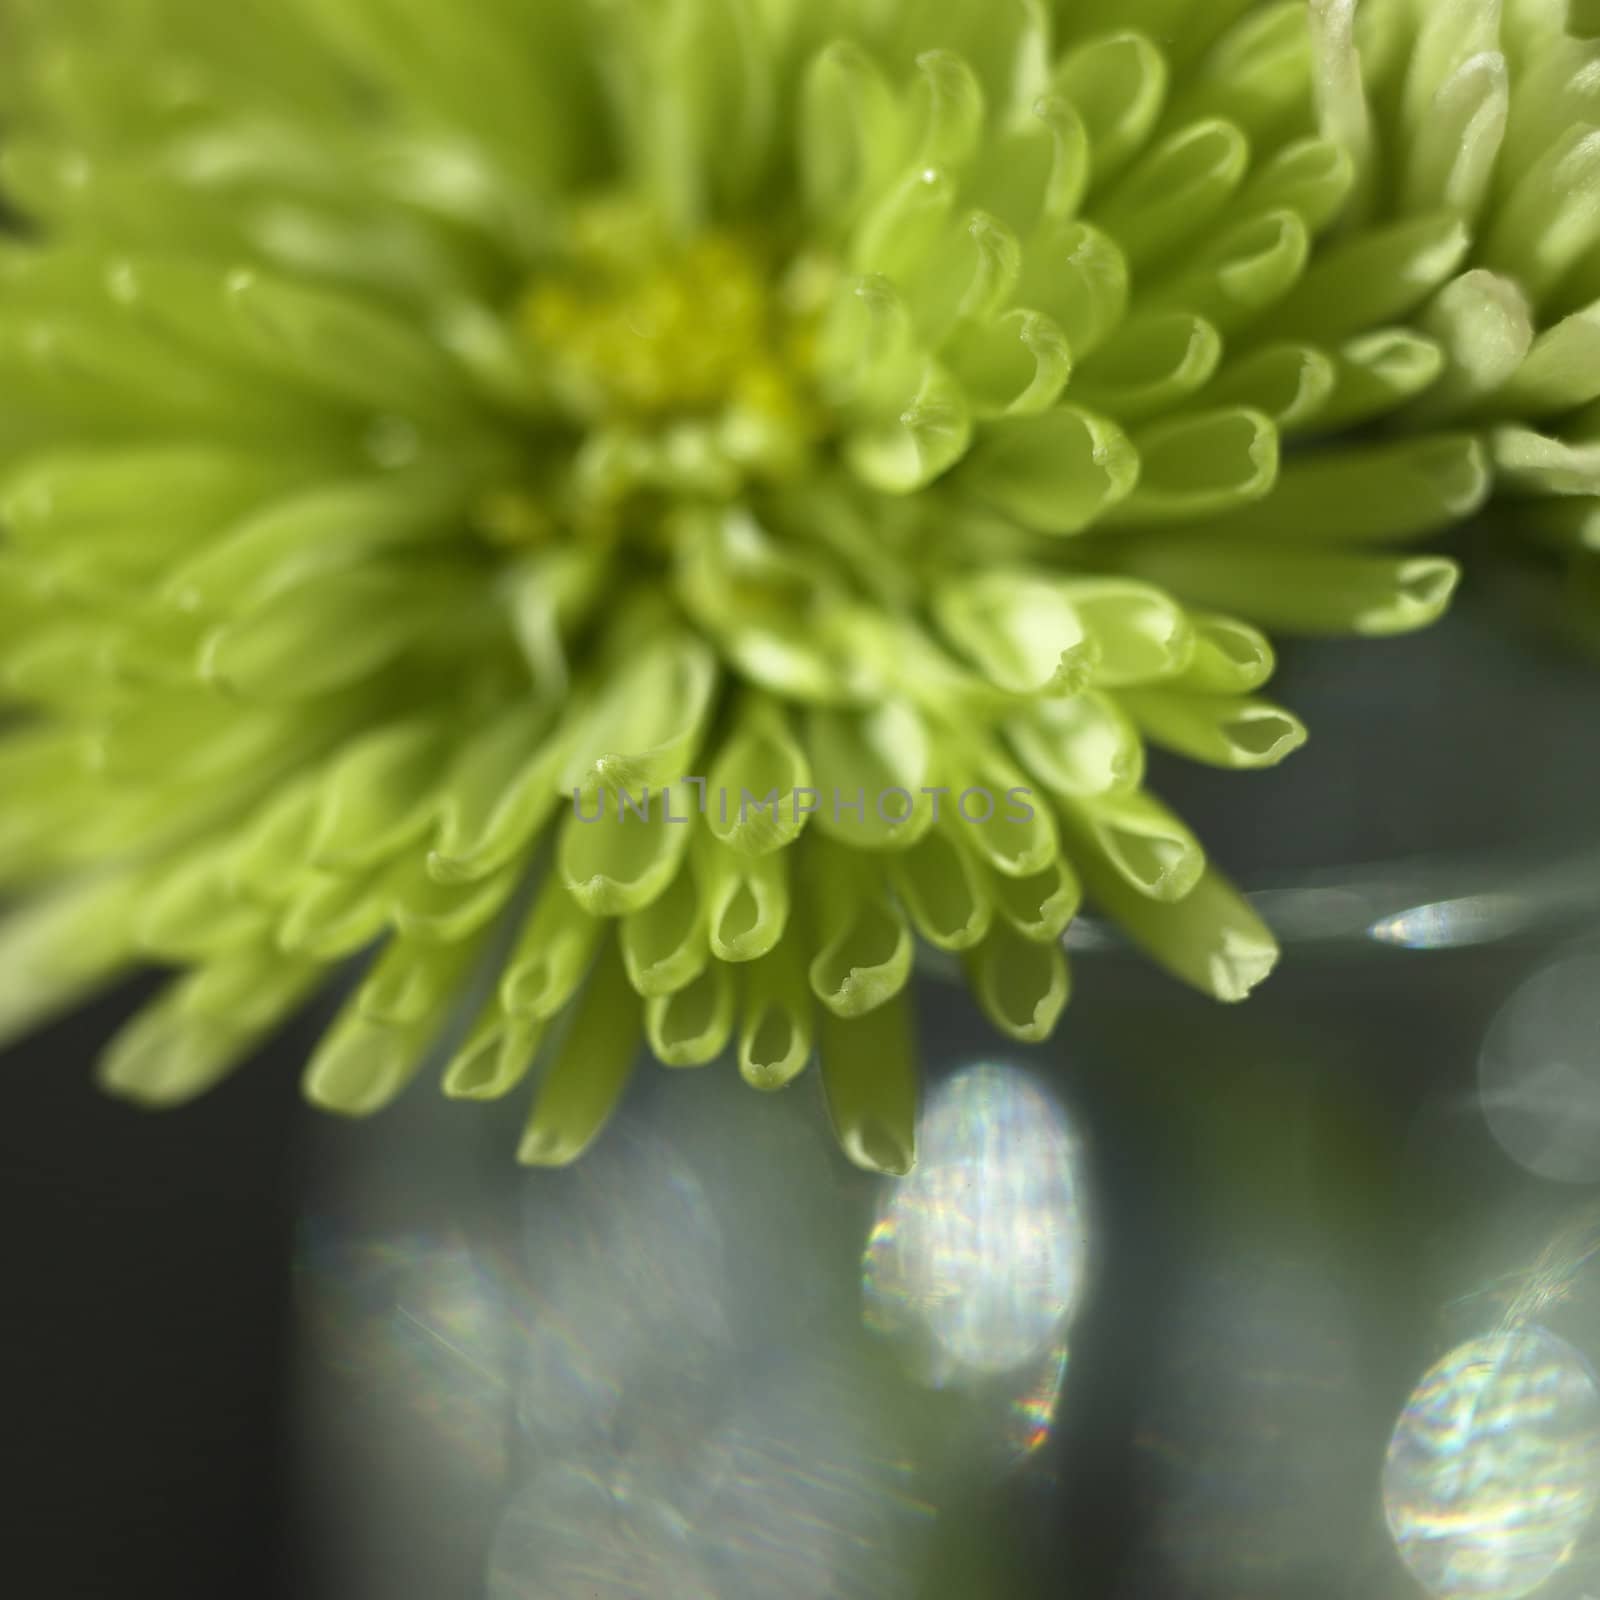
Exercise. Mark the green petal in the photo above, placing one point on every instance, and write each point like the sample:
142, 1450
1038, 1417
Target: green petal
329, 915
438, 913
1076, 275
380, 796
336, 631
57, 948
850, 130
664, 946
498, 794
646, 727
691, 1026
1211, 939
1016, 365
1222, 731
1021, 630
1135, 839
1248, 267
1005, 823
1175, 190
1376, 277
1149, 365
1561, 372
192, 911
496, 1056
763, 760
746, 901
551, 956
1378, 372
363, 1065
1040, 906
589, 1069
1022, 984
1371, 494
1035, 169
1056, 473
270, 857
879, 762
1291, 383
1304, 591
1484, 324
944, 890
412, 979
1257, 73
1452, 159
292, 540
775, 1035
864, 947
343, 348
171, 1052
1118, 84
622, 859
1140, 634
1551, 220
1229, 657
869, 1081
1084, 746
1202, 465
897, 231
950, 108
930, 432
1529, 463
249, 990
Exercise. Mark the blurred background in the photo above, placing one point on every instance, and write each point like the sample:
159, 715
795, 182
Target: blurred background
1299, 1298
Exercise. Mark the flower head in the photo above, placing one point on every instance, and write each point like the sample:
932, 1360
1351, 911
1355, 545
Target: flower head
641, 511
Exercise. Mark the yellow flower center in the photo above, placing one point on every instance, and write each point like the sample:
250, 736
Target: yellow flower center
644, 332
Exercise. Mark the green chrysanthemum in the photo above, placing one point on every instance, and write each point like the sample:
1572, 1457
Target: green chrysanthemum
434, 427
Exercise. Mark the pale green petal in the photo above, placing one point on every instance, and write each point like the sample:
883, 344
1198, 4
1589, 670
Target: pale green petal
1040, 906
869, 1080
1211, 939
664, 946
1136, 840
871, 771
1056, 473
56, 949
691, 1026
1083, 746
864, 946
379, 796
1118, 84
746, 900
1220, 730
1372, 494
1021, 983
551, 955
1202, 465
1305, 591
763, 760
775, 1035
587, 1071
1150, 365
495, 1057
1021, 630
943, 889
623, 858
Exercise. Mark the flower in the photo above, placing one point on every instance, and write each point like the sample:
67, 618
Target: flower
1493, 109
466, 455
